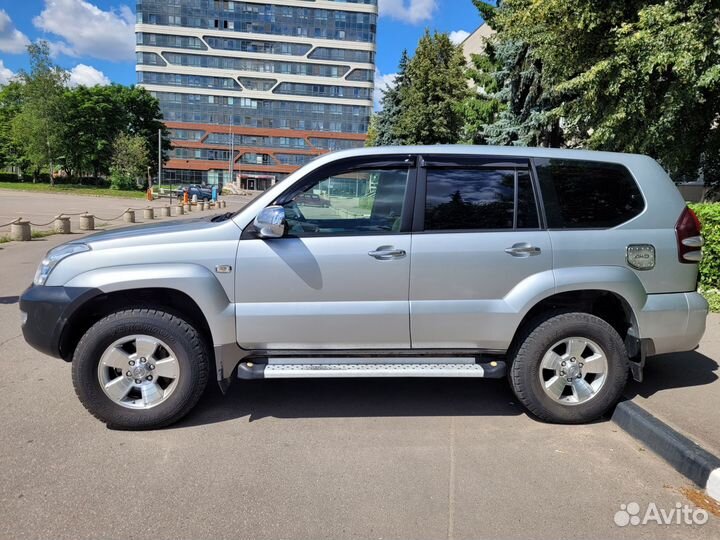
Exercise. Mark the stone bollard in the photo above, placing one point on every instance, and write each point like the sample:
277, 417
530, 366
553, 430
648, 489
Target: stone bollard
165, 211
20, 231
129, 216
187, 208
62, 225
87, 222
180, 210
224, 203
203, 205
148, 213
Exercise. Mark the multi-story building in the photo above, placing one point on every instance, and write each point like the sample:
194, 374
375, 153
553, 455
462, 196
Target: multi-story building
257, 87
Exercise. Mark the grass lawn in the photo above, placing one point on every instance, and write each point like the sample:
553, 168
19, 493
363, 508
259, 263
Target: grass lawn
72, 189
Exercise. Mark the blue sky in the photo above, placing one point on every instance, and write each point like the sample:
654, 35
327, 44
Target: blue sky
94, 39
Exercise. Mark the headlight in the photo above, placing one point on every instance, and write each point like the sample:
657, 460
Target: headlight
53, 257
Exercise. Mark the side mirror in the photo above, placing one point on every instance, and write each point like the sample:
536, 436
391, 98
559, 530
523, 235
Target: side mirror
270, 223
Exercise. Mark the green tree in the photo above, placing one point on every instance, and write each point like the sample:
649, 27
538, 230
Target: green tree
11, 101
88, 132
130, 161
95, 118
520, 112
38, 126
482, 107
431, 102
387, 120
144, 119
528, 115
640, 76
372, 134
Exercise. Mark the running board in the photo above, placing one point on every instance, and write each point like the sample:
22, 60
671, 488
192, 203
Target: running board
337, 368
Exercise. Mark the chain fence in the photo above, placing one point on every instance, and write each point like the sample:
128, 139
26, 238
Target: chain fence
96, 218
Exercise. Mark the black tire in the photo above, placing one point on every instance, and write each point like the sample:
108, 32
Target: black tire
538, 338
188, 346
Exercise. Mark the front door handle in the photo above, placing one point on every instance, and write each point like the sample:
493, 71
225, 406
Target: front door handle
387, 253
523, 249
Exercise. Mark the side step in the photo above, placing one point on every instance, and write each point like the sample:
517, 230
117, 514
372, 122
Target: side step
335, 368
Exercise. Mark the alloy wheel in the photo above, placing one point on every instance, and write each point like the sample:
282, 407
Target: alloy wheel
138, 372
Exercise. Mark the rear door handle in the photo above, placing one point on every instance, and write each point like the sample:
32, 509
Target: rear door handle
386, 253
523, 249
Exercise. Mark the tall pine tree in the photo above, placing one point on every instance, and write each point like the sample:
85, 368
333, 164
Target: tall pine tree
482, 107
431, 102
527, 116
386, 121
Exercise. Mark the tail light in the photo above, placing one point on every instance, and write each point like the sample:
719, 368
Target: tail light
689, 241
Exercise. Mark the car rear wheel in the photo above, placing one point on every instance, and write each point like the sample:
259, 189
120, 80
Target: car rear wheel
569, 368
140, 369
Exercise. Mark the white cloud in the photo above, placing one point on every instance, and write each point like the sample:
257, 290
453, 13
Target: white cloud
60, 47
409, 11
5, 73
87, 30
382, 83
84, 75
12, 40
458, 36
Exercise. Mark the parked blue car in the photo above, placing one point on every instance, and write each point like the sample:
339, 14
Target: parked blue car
203, 192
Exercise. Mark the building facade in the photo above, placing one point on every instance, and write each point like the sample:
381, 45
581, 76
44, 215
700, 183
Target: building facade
476, 42
252, 90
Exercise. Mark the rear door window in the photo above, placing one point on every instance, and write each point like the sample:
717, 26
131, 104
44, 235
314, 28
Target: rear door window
479, 199
587, 194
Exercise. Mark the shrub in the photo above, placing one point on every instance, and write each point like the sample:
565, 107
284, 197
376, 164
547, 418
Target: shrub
122, 181
41, 178
9, 177
709, 215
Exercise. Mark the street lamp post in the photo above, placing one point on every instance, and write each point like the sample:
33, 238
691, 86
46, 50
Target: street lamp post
231, 161
159, 157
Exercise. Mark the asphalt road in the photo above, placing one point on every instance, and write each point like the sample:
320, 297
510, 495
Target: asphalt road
42, 208
414, 459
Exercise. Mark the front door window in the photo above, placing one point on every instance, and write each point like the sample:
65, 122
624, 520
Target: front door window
362, 202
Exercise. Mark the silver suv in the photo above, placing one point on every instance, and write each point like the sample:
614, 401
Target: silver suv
562, 270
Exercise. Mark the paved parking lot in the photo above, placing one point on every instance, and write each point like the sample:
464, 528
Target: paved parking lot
411, 459
43, 207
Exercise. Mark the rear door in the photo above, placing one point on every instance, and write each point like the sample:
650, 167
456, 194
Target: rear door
477, 239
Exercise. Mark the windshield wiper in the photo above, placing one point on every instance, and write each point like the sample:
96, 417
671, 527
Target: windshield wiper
222, 217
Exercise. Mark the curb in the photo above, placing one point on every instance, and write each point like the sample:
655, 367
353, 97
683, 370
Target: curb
686, 457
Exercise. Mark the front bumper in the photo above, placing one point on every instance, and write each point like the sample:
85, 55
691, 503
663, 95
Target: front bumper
673, 322
46, 312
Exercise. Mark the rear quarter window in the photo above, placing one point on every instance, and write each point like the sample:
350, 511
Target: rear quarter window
587, 194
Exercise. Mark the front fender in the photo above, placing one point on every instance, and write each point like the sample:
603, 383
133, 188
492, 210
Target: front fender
192, 279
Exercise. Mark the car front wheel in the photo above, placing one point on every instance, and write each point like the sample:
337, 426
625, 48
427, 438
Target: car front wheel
140, 369
569, 368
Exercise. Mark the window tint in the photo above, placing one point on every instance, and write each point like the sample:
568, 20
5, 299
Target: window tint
587, 194
357, 202
478, 199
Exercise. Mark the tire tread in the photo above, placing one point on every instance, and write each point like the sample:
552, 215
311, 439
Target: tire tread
198, 350
523, 352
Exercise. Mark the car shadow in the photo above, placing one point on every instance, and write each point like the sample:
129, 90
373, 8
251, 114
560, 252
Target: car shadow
677, 370
349, 398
